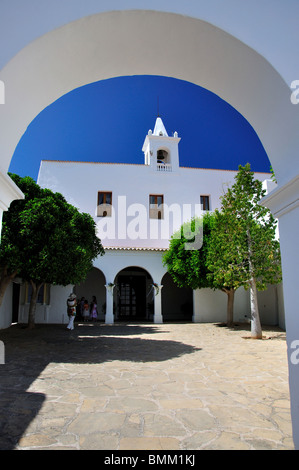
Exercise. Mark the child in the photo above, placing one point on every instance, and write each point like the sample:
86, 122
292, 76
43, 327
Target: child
85, 310
93, 308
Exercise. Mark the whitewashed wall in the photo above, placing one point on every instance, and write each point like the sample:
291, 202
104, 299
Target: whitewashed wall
6, 308
210, 306
131, 186
54, 312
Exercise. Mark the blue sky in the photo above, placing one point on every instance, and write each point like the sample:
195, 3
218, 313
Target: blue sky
107, 121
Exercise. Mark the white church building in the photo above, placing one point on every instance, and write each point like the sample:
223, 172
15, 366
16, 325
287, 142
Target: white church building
137, 207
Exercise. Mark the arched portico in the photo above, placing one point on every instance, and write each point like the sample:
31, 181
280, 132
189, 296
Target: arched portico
133, 295
132, 262
129, 43
177, 302
93, 285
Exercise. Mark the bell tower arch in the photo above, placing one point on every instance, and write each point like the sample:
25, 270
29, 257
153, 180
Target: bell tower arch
161, 152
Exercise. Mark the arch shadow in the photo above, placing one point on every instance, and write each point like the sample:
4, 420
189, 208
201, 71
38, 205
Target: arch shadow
28, 352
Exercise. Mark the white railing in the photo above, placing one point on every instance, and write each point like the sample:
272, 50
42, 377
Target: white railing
164, 167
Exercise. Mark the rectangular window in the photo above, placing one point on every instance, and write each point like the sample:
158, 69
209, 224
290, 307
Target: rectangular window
205, 203
104, 207
156, 206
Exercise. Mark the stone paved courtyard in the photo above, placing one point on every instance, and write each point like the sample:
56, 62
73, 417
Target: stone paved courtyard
144, 386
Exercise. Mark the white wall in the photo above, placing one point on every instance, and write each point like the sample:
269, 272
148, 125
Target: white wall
284, 204
210, 306
131, 185
6, 308
54, 312
115, 260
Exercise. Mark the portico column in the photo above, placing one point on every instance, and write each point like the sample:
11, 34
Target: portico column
109, 317
158, 304
284, 205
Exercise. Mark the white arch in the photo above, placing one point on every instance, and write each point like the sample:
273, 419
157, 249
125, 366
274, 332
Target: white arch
129, 43
112, 265
129, 266
121, 43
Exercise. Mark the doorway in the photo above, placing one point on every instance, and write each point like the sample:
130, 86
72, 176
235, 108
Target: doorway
132, 300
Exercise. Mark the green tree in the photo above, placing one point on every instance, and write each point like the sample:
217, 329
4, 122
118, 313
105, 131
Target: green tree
12, 254
189, 268
243, 250
185, 262
55, 243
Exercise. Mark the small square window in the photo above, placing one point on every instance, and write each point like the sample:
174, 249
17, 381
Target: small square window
205, 203
156, 206
104, 204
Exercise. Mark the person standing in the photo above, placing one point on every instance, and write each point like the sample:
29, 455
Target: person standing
71, 310
86, 310
94, 309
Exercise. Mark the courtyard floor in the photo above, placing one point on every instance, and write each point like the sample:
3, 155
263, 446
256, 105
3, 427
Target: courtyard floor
145, 387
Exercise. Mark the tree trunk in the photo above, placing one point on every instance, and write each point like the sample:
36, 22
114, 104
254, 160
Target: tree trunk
256, 329
32, 307
230, 305
4, 283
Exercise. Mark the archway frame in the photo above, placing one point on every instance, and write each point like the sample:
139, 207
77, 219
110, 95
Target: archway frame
123, 43
137, 271
105, 45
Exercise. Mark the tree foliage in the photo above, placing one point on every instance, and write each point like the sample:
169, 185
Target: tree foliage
46, 240
239, 248
243, 250
12, 247
188, 266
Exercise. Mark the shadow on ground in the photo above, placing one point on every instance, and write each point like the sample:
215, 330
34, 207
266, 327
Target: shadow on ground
28, 352
246, 329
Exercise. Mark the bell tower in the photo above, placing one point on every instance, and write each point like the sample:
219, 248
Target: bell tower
161, 152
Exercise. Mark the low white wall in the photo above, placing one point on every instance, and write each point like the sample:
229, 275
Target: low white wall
6, 308
210, 306
55, 312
